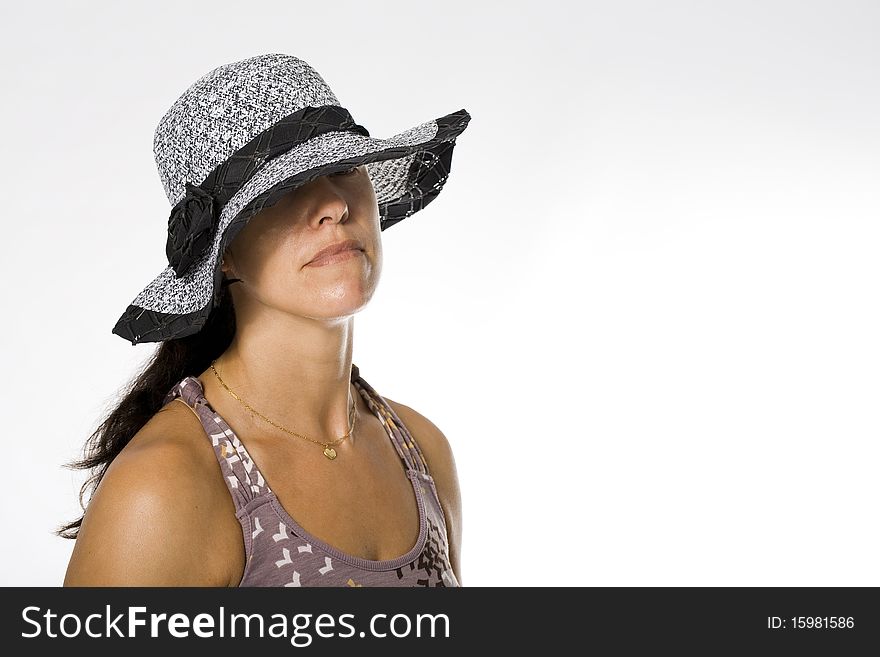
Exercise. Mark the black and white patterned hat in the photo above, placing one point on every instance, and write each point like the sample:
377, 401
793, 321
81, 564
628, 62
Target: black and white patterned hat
241, 137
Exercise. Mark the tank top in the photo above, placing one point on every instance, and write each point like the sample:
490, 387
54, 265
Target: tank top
280, 552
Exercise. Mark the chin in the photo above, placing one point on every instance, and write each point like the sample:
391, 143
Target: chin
341, 300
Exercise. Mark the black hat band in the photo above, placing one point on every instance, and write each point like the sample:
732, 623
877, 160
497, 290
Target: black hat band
193, 219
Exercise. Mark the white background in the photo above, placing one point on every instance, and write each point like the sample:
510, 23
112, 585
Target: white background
644, 310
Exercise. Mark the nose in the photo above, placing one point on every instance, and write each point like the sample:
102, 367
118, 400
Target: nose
330, 203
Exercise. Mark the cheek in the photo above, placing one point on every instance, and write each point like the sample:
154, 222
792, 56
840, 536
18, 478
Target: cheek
269, 269
376, 269
258, 257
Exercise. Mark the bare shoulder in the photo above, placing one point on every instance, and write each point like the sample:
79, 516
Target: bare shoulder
156, 517
441, 464
432, 441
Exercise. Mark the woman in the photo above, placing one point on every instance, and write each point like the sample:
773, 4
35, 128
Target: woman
250, 452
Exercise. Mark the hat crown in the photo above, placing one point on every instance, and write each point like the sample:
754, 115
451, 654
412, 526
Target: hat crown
225, 109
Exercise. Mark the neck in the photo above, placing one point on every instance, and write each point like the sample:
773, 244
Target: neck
295, 371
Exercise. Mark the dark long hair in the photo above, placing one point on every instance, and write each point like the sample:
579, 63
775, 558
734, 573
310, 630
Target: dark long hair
142, 397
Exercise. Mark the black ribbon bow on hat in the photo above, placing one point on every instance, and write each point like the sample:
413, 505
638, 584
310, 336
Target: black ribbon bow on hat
191, 228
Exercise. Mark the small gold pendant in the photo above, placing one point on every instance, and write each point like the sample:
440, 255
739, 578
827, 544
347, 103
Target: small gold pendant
330, 453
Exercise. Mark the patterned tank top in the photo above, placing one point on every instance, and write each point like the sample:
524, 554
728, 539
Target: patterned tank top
280, 552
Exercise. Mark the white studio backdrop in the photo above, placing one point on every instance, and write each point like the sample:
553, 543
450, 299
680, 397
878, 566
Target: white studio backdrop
644, 310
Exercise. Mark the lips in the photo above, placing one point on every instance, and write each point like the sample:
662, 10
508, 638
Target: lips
336, 247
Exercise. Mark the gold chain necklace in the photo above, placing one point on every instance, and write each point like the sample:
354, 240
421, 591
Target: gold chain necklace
329, 452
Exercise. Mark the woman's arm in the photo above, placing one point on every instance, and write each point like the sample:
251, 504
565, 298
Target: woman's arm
153, 521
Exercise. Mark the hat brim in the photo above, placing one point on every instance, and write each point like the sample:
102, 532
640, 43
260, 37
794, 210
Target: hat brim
407, 170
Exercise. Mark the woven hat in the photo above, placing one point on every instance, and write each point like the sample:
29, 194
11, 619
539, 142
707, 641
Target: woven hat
240, 138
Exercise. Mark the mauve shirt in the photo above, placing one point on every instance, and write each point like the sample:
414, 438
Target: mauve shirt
280, 552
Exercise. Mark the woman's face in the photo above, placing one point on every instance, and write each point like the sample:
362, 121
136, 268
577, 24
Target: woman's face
273, 253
